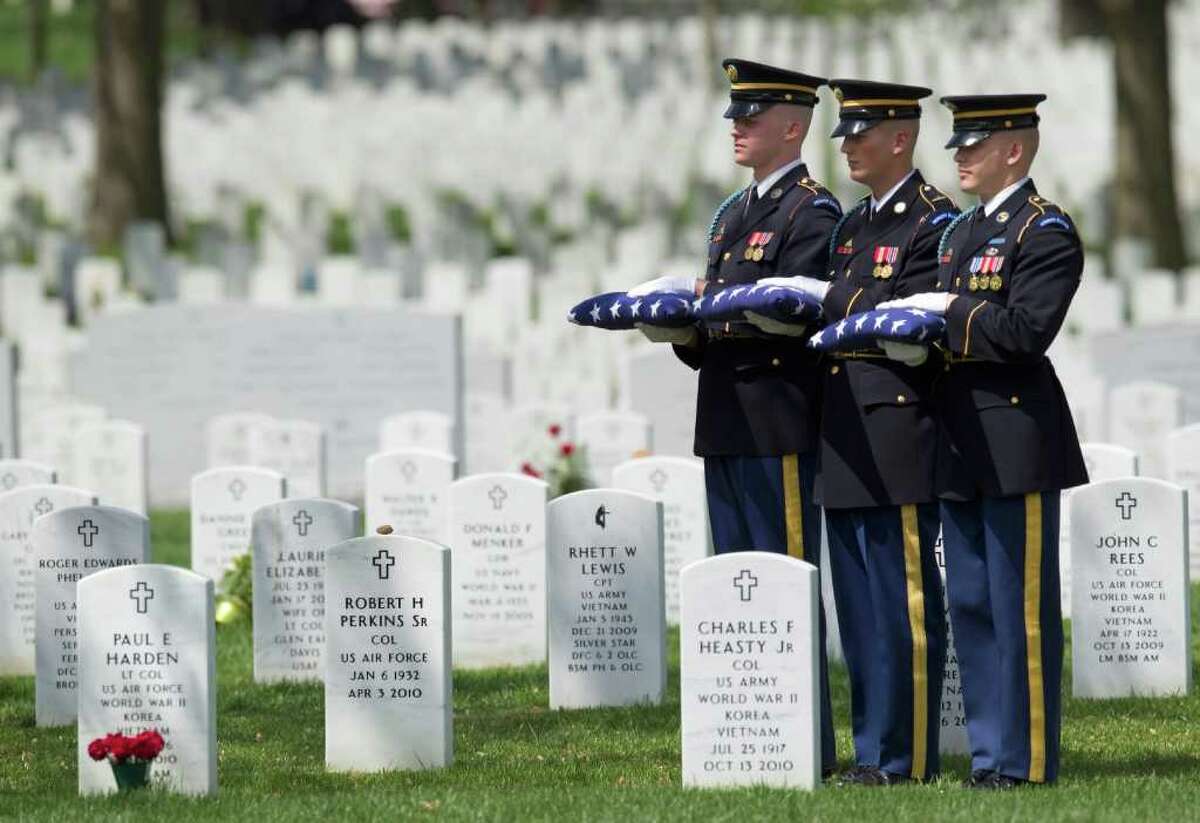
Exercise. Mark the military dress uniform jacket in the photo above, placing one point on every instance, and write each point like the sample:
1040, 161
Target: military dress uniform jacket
878, 427
1004, 424
758, 393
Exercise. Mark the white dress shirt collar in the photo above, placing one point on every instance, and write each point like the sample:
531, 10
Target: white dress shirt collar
876, 205
1006, 192
774, 177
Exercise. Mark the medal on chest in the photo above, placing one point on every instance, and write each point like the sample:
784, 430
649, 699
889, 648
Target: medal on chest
985, 271
755, 245
884, 257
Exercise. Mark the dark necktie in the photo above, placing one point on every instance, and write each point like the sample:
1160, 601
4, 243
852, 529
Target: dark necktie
753, 198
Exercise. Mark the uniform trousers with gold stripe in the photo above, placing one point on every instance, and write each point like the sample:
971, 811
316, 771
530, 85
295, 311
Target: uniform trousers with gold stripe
893, 628
766, 504
1003, 587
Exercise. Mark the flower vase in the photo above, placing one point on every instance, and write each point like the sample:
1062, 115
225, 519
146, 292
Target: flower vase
131, 775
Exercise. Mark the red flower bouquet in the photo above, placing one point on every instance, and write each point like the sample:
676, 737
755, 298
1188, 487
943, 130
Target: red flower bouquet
130, 757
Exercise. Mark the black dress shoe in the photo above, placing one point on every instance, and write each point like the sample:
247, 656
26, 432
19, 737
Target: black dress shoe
999, 782
978, 779
855, 775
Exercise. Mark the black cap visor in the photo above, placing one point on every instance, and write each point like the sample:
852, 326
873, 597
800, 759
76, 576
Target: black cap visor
746, 108
847, 126
962, 139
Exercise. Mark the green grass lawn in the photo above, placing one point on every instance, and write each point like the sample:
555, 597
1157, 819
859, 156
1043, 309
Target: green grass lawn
516, 760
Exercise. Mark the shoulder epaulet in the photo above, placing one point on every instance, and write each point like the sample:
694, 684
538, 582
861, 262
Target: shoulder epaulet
720, 212
837, 229
950, 230
1046, 215
935, 198
810, 184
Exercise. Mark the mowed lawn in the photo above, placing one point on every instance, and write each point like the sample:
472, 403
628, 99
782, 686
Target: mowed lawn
516, 760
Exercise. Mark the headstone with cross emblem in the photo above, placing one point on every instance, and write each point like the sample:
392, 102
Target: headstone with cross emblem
485, 447
678, 482
147, 646
749, 671
604, 585
406, 490
1130, 618
295, 449
428, 430
289, 540
953, 736
70, 544
1141, 415
19, 509
1104, 461
610, 438
227, 438
111, 457
223, 501
1183, 469
497, 540
388, 692
17, 473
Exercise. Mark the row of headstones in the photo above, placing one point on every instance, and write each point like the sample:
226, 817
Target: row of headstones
379, 634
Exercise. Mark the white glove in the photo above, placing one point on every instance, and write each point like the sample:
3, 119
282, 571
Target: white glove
814, 288
910, 354
684, 336
934, 302
669, 282
770, 326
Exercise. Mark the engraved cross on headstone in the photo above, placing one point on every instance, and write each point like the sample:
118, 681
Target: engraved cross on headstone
745, 582
142, 594
658, 479
237, 487
409, 470
498, 496
383, 562
302, 520
88, 531
9, 480
43, 506
1126, 503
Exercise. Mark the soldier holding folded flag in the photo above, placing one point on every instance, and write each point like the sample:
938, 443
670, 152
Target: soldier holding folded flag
1007, 444
756, 417
878, 438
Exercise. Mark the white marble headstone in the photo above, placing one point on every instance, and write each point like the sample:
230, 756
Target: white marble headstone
497, 542
1183, 469
388, 687
8, 399
1141, 415
429, 430
295, 449
53, 438
604, 580
147, 645
678, 483
1130, 619
18, 567
486, 448
407, 490
17, 473
750, 671
611, 438
70, 544
227, 438
223, 502
1104, 461
289, 540
111, 458
953, 736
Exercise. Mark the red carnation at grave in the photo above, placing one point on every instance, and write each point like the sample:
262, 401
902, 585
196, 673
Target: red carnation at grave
567, 449
555, 430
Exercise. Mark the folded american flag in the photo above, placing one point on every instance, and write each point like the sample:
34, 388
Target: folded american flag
616, 310
860, 331
782, 303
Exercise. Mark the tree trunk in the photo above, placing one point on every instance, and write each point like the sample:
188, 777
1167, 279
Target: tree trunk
130, 181
1146, 205
38, 37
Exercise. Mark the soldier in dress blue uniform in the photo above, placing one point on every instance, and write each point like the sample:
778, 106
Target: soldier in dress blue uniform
878, 441
758, 402
1006, 441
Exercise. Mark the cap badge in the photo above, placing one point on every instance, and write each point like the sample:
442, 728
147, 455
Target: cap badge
837, 92
731, 73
